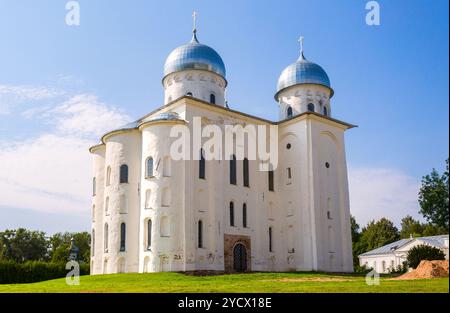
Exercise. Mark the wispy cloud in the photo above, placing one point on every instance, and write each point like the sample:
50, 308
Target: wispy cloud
382, 192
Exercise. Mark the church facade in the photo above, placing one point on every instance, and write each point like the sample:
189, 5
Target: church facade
151, 213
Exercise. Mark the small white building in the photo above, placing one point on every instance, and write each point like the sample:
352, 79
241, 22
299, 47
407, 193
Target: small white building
394, 254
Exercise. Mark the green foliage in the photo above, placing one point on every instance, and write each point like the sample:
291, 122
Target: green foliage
410, 226
377, 234
355, 240
23, 245
433, 197
34, 271
60, 245
400, 269
423, 252
361, 269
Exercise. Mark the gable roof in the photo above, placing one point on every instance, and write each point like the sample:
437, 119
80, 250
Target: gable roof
436, 241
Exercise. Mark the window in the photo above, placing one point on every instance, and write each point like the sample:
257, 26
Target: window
212, 98
122, 236
289, 112
392, 264
270, 239
329, 215
105, 237
383, 266
288, 176
233, 170
327, 165
231, 214
246, 173
94, 187
271, 185
288, 146
200, 234
189, 94
108, 176
202, 166
149, 234
325, 111
244, 215
93, 243
107, 206
124, 174
311, 107
149, 170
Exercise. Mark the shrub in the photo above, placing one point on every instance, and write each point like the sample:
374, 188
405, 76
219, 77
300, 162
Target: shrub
362, 269
34, 271
400, 269
423, 252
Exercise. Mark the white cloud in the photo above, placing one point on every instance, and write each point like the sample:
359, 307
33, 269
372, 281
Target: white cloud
382, 192
51, 172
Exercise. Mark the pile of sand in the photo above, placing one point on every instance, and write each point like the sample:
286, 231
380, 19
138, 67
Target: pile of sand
428, 269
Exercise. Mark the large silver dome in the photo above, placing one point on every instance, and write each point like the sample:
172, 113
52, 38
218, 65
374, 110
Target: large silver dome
194, 55
303, 72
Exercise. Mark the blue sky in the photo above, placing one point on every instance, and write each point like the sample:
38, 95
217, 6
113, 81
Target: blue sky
391, 80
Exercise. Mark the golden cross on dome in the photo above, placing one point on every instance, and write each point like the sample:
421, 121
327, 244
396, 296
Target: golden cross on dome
194, 16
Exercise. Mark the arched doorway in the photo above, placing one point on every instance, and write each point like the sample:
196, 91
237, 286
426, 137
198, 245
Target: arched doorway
240, 258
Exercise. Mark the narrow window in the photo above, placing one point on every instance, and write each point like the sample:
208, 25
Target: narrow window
93, 242
270, 239
200, 234
325, 111
124, 174
212, 98
231, 214
149, 172
271, 185
108, 176
189, 94
244, 215
289, 112
107, 206
311, 107
202, 166
122, 236
149, 234
94, 187
233, 170
246, 173
105, 236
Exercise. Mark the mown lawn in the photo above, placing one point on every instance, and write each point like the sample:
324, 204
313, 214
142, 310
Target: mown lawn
236, 283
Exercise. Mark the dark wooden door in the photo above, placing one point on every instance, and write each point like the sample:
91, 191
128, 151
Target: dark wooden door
240, 258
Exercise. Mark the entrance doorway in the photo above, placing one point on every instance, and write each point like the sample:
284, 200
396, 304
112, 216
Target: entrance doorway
240, 258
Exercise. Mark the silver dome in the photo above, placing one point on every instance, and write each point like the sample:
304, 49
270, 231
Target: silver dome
303, 72
194, 55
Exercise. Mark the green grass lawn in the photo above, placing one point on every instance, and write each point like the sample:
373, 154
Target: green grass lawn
254, 282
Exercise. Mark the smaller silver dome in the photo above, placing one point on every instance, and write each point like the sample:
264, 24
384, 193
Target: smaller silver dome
303, 72
194, 55
167, 116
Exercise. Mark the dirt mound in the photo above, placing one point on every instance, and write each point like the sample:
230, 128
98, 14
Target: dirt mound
428, 269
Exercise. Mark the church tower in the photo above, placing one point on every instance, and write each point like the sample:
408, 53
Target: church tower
195, 70
303, 86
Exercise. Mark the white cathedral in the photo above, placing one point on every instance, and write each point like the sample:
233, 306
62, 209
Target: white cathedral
151, 213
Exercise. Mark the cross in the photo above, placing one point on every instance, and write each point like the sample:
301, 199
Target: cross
194, 15
300, 40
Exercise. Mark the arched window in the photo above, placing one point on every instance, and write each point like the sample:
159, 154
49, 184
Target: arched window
189, 94
212, 98
325, 111
108, 176
246, 173
149, 234
231, 214
124, 174
93, 243
270, 239
289, 112
202, 165
105, 237
271, 184
233, 170
200, 234
122, 236
244, 215
149, 168
311, 107
94, 187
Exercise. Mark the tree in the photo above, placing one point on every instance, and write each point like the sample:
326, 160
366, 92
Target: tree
355, 240
423, 252
411, 227
433, 197
23, 245
60, 245
377, 234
